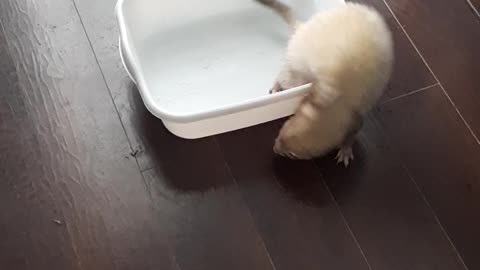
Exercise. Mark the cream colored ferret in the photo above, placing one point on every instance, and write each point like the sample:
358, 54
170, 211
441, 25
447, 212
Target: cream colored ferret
347, 55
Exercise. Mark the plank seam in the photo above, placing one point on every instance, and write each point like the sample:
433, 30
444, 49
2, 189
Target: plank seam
433, 74
107, 86
344, 219
458, 112
243, 200
409, 93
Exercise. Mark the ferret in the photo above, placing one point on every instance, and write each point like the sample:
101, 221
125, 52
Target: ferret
347, 55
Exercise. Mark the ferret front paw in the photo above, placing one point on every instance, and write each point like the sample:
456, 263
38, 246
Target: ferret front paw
276, 88
344, 155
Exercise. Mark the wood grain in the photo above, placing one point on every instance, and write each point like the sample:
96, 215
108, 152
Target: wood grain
442, 157
71, 196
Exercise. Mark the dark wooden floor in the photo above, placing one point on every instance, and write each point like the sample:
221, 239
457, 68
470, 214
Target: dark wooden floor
90, 180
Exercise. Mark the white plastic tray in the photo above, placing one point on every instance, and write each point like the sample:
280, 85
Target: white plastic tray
205, 66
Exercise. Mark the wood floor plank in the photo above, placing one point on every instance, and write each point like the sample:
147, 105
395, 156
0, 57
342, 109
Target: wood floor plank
295, 215
69, 196
442, 157
409, 73
388, 215
447, 34
102, 29
208, 224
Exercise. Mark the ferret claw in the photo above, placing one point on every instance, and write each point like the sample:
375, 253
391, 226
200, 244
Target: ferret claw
276, 88
344, 155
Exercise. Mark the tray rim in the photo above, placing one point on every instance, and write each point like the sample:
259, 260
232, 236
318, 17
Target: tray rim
130, 63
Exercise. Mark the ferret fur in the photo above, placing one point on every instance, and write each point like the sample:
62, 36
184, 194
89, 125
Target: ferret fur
347, 55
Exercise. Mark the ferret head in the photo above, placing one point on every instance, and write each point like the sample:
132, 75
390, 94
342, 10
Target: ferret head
297, 139
309, 133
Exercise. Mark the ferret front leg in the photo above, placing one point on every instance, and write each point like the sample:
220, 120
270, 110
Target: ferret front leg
345, 153
282, 81
287, 79
277, 87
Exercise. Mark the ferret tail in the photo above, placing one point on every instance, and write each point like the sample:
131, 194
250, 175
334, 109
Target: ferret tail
281, 9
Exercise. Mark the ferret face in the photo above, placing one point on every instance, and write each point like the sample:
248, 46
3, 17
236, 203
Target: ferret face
297, 139
282, 147
310, 133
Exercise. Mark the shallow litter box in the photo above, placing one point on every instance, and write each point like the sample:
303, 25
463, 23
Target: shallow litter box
205, 66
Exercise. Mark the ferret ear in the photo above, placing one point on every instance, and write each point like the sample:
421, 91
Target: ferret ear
324, 94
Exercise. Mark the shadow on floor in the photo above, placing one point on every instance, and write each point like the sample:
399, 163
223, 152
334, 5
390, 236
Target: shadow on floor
184, 165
